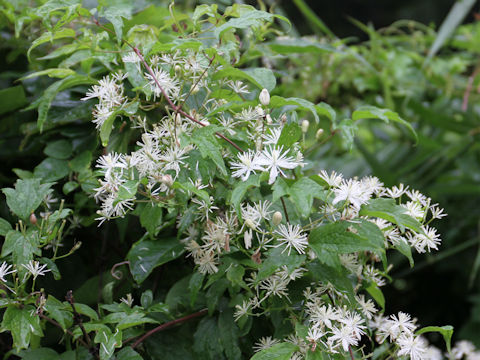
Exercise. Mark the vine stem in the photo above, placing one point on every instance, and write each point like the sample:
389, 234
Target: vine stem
351, 352
53, 322
78, 319
176, 109
167, 325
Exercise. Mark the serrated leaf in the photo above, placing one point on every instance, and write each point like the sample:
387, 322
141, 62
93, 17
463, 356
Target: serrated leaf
26, 197
22, 247
21, 325
209, 147
145, 256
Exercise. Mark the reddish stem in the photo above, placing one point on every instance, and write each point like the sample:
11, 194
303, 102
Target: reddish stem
167, 325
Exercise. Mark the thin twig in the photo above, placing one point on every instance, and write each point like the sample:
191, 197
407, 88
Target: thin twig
466, 94
284, 209
53, 322
78, 319
351, 352
167, 325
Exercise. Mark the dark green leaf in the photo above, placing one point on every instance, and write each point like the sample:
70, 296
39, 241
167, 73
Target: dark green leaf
4, 227
60, 149
52, 169
26, 197
147, 255
209, 147
241, 189
291, 133
12, 98
275, 259
21, 325
151, 218
282, 351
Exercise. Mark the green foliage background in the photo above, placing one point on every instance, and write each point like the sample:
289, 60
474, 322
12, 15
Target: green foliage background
390, 69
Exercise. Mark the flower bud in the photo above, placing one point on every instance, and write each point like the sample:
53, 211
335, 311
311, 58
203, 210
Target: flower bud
277, 218
167, 180
283, 119
264, 97
305, 125
178, 69
33, 219
269, 119
319, 133
195, 89
250, 223
260, 111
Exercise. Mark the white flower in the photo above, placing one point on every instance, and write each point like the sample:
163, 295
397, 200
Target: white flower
36, 269
241, 310
323, 315
272, 137
5, 270
368, 307
292, 236
265, 343
415, 347
108, 163
334, 179
206, 261
248, 163
396, 192
373, 184
414, 209
274, 160
237, 86
432, 353
264, 97
343, 336
429, 239
462, 348
162, 78
352, 191
275, 285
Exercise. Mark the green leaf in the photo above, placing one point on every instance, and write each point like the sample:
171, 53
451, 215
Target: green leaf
49, 36
52, 169
51, 92
282, 351
127, 190
207, 343
302, 193
26, 197
455, 16
81, 161
114, 11
263, 76
56, 310
446, 331
107, 127
189, 187
248, 19
21, 325
60, 149
346, 237
5, 227
372, 112
22, 247
127, 353
296, 45
209, 147
377, 294
12, 98
151, 218
229, 335
302, 104
405, 249
275, 259
84, 310
145, 256
39, 354
337, 276
290, 134
387, 209
53, 73
241, 189
194, 285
